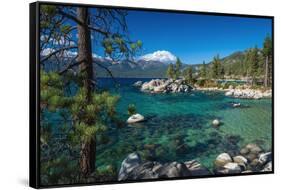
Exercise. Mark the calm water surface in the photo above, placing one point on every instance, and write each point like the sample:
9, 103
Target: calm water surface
178, 126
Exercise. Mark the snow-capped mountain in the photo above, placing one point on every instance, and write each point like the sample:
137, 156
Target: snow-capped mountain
160, 56
150, 65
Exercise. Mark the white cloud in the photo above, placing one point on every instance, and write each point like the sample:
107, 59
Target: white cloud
161, 55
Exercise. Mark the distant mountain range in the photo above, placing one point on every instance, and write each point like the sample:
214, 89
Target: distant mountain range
152, 65
155, 65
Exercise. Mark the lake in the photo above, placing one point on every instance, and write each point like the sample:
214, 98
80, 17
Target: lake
179, 126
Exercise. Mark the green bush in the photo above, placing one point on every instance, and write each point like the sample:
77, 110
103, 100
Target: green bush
132, 109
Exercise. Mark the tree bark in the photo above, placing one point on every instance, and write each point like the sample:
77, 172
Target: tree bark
266, 72
88, 148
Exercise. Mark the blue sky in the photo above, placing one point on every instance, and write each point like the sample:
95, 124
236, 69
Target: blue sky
194, 37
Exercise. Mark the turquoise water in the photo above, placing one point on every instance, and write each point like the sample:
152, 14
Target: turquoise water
178, 126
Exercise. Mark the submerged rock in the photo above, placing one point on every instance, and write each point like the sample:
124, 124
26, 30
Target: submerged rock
137, 84
244, 151
135, 118
236, 105
253, 148
216, 122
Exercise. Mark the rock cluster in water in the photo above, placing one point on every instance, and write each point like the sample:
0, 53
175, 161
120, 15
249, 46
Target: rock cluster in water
248, 93
180, 85
251, 159
133, 168
164, 86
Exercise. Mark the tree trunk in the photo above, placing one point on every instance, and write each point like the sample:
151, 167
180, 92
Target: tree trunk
266, 72
88, 157
88, 148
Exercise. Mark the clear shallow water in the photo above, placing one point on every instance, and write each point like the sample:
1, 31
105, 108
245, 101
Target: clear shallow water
179, 127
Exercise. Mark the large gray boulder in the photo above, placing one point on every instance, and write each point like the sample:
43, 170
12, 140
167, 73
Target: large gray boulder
240, 159
267, 167
165, 86
229, 168
132, 161
264, 158
135, 118
151, 170
196, 169
251, 151
174, 169
222, 159
146, 170
253, 148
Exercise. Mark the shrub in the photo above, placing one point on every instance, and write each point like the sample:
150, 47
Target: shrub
132, 109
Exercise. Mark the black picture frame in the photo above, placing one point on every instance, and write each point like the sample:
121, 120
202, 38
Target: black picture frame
34, 92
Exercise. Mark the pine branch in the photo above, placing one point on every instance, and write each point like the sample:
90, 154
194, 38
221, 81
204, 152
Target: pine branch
108, 71
70, 66
105, 33
57, 51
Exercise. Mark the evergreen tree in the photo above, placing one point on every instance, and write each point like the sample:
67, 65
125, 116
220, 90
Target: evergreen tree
216, 67
222, 72
57, 34
178, 68
254, 64
267, 53
171, 72
203, 71
247, 63
188, 75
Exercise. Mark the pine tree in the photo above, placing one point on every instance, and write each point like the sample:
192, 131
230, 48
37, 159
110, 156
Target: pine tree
178, 68
254, 64
57, 34
222, 72
188, 75
216, 67
100, 111
171, 72
203, 71
267, 53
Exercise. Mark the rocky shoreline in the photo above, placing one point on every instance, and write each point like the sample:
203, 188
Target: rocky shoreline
248, 93
251, 159
180, 86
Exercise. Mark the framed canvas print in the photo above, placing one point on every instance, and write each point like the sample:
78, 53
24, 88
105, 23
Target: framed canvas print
121, 94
